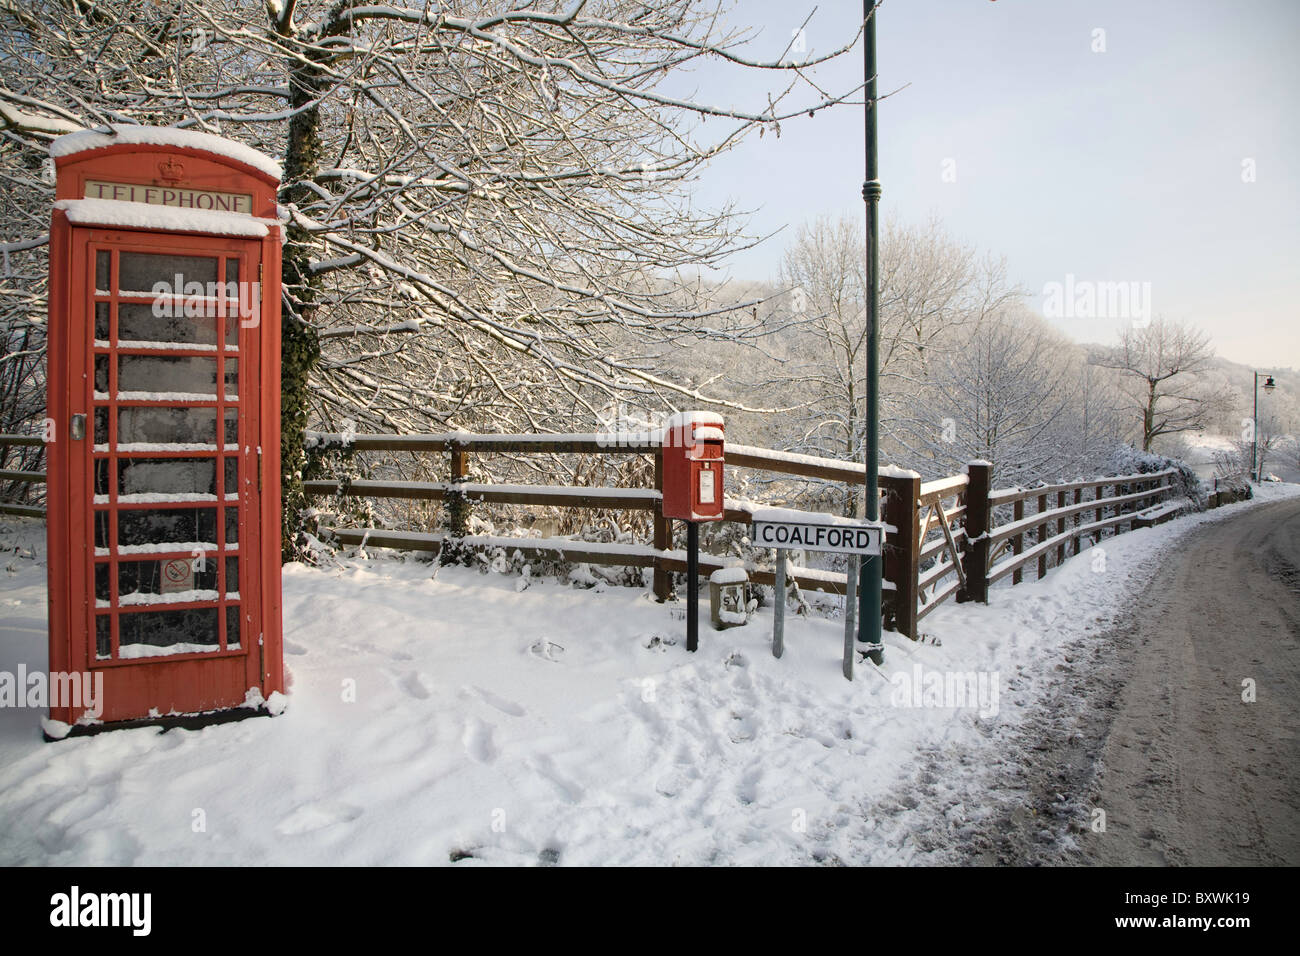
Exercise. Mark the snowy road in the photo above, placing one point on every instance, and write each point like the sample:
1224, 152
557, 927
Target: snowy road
1147, 722
1192, 773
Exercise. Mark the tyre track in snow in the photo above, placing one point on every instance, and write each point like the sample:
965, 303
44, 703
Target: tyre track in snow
1147, 723
1191, 774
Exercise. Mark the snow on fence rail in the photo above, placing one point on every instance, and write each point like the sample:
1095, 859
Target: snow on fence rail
460, 495
949, 537
1133, 496
943, 543
10, 478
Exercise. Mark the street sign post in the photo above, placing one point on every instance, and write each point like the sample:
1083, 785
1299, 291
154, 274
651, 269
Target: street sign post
787, 530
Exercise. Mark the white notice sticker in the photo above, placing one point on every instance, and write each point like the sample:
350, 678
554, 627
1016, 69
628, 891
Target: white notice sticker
177, 575
706, 487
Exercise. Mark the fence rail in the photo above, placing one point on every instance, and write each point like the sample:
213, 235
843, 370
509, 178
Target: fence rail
948, 538
21, 476
461, 495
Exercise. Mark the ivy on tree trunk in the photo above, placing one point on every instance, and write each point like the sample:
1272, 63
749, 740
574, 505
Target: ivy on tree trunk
299, 341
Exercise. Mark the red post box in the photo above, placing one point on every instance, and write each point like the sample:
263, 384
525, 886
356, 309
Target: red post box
692, 466
164, 423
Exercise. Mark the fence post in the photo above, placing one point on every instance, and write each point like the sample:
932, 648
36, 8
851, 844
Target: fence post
1040, 535
662, 531
457, 507
975, 560
1017, 542
1060, 529
1078, 498
902, 557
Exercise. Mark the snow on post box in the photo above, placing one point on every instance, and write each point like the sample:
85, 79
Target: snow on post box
692, 466
164, 403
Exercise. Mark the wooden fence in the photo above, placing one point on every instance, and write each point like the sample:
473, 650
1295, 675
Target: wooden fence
944, 538
460, 495
10, 477
947, 538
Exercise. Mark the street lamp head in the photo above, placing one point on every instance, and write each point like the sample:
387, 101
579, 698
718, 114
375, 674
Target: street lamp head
1269, 384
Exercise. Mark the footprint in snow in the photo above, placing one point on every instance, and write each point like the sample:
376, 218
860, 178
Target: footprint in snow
747, 789
671, 783
477, 739
508, 707
417, 685
545, 650
545, 766
316, 816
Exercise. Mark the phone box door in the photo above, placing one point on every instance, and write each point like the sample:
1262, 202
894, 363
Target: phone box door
157, 474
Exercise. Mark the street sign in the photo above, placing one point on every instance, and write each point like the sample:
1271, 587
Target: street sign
842, 537
787, 530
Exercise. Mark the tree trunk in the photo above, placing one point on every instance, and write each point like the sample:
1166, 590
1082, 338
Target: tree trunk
1149, 418
299, 343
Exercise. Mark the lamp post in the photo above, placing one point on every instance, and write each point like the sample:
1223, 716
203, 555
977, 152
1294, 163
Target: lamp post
1269, 385
870, 573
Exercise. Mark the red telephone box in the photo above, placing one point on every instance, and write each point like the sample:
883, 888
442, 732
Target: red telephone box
693, 459
164, 404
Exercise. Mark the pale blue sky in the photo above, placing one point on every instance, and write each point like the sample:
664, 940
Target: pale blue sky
1123, 165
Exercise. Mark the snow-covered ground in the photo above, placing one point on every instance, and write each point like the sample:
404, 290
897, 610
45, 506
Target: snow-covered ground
552, 724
